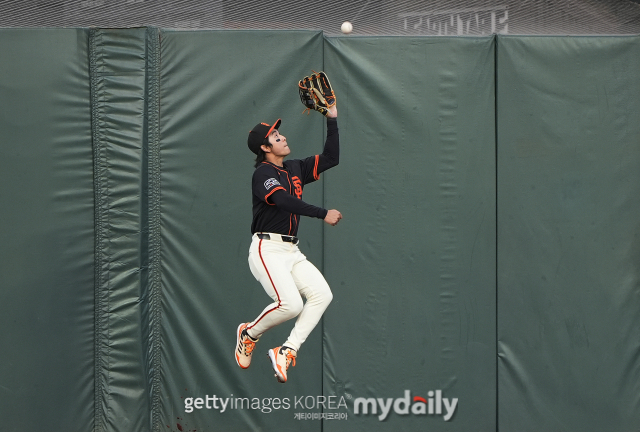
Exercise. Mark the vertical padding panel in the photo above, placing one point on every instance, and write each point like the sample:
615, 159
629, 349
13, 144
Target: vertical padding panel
569, 237
118, 71
413, 260
215, 86
46, 232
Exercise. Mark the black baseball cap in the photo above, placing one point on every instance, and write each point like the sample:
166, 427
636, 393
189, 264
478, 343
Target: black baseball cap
259, 133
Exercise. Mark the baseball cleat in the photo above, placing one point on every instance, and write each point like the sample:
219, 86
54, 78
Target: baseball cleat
244, 346
281, 358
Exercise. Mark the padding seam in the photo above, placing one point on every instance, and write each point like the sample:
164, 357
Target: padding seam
155, 241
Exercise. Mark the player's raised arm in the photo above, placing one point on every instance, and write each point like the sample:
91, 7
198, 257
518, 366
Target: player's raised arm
330, 156
317, 93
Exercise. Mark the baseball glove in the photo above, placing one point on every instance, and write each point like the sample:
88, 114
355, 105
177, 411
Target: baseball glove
316, 93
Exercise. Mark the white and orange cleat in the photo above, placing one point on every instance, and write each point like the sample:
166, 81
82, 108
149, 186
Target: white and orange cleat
244, 346
281, 358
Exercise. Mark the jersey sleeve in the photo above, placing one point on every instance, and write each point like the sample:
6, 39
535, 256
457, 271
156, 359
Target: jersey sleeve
265, 183
291, 204
310, 169
330, 157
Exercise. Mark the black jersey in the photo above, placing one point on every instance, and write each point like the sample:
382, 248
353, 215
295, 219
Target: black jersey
277, 191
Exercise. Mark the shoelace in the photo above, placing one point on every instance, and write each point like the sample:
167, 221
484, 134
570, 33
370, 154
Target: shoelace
249, 345
290, 358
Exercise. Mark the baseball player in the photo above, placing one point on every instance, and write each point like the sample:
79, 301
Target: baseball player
274, 257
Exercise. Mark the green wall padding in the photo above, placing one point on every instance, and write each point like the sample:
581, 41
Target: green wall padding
489, 248
413, 261
46, 234
215, 87
568, 233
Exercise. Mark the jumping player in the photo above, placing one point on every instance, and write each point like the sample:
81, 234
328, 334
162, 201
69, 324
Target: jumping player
274, 257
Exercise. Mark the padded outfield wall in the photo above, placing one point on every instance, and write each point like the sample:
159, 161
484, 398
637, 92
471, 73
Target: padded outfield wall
488, 250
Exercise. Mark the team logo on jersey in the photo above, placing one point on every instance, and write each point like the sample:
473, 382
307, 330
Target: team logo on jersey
298, 186
271, 183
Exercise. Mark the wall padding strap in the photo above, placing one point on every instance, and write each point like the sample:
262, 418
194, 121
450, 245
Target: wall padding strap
152, 176
125, 212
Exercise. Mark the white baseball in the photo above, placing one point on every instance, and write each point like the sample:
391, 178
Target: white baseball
346, 27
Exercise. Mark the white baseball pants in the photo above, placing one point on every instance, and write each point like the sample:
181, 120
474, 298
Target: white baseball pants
287, 276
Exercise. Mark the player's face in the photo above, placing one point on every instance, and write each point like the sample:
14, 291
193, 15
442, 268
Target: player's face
279, 146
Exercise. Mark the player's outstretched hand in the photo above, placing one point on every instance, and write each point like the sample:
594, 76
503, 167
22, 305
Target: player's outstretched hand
332, 112
333, 217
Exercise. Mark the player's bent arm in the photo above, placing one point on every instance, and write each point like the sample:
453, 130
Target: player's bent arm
291, 204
